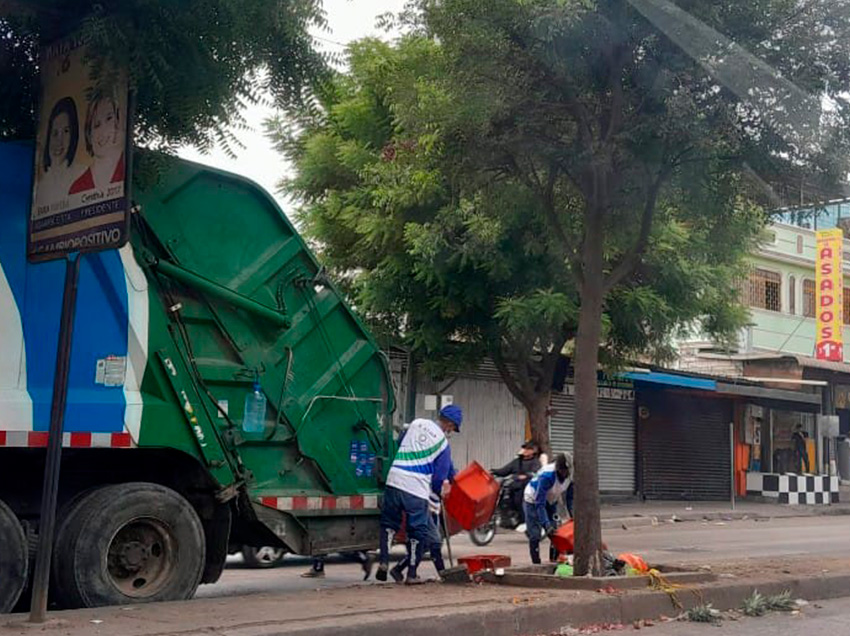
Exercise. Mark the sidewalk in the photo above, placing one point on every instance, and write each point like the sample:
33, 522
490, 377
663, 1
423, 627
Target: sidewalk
808, 556
637, 514
472, 609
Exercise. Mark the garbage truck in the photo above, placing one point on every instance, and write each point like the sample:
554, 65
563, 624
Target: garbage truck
221, 393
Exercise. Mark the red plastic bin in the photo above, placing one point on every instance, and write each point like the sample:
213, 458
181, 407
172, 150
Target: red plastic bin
564, 538
473, 497
478, 562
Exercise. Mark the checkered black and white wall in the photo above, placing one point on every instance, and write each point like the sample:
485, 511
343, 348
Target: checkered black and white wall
794, 489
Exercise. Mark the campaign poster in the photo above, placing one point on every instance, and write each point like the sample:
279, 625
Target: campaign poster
80, 185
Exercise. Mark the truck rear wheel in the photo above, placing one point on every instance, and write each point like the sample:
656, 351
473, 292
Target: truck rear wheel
129, 543
14, 556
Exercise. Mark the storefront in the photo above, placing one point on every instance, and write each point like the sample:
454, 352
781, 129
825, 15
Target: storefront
684, 445
704, 438
616, 430
777, 448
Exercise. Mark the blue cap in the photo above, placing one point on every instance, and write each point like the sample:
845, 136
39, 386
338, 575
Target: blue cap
453, 414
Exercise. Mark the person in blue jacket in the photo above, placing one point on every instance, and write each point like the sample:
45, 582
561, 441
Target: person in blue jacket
422, 467
540, 501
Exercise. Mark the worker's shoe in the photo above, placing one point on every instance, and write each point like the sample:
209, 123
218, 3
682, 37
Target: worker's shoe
313, 574
381, 574
414, 580
398, 574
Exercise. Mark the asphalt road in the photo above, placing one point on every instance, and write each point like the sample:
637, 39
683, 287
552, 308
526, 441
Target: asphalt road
695, 543
828, 618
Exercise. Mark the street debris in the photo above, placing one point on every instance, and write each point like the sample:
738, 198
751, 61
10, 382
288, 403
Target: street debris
703, 614
591, 629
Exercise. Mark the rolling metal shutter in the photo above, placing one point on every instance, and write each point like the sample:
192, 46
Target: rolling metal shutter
616, 430
684, 447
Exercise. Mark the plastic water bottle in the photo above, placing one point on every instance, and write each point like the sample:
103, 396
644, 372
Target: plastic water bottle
352, 452
254, 420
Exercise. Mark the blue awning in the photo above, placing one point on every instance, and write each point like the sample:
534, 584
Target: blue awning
671, 379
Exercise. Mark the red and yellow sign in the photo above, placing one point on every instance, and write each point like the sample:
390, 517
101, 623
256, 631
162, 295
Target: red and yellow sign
830, 296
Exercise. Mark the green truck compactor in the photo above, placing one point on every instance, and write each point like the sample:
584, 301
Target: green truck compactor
215, 307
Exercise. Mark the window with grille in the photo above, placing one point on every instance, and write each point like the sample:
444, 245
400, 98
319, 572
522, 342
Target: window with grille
764, 290
809, 298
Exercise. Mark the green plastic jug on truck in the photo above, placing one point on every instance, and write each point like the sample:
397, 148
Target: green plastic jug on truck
216, 306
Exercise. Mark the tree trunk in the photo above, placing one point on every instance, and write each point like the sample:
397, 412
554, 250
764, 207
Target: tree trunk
588, 531
538, 417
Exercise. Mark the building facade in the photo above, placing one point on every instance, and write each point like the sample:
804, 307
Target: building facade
777, 349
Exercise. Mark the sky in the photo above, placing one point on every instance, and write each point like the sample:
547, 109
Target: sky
348, 20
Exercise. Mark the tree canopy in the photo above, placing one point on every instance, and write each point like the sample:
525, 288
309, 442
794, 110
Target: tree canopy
194, 64
460, 266
547, 170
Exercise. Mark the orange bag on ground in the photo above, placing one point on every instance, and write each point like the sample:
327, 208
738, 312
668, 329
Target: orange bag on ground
634, 561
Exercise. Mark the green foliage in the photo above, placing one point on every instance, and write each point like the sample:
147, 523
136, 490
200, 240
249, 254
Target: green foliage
461, 262
783, 602
195, 64
755, 605
703, 614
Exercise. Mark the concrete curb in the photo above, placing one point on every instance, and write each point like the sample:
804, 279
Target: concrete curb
643, 521
528, 618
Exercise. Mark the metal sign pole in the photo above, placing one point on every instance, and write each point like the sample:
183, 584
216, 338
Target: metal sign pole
47, 524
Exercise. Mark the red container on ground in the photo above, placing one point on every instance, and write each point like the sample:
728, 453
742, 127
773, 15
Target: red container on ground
473, 497
478, 562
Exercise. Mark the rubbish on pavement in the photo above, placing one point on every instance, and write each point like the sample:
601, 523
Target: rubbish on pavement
477, 562
635, 561
564, 569
611, 565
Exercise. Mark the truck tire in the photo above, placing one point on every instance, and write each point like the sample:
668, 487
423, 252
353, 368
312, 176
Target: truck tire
64, 590
265, 557
129, 543
14, 557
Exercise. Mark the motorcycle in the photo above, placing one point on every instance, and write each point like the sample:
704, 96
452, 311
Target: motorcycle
505, 515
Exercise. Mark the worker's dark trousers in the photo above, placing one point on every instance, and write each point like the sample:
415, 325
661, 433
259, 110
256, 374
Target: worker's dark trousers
534, 528
435, 547
415, 510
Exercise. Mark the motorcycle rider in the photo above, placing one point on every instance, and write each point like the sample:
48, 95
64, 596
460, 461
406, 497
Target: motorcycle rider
522, 468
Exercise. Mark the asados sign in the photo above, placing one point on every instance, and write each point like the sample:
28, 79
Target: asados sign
829, 298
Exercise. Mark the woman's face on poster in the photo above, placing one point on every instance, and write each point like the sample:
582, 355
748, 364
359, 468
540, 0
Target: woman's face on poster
60, 137
106, 131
